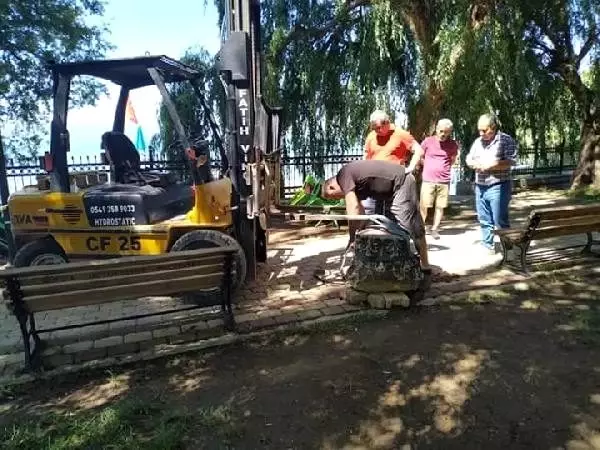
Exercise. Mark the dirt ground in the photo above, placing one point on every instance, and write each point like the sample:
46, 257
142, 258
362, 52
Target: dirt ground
511, 368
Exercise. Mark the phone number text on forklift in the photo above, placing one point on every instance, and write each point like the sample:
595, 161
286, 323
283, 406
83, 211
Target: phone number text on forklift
112, 221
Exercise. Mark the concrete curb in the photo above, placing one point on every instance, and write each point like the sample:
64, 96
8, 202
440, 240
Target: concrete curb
165, 341
175, 349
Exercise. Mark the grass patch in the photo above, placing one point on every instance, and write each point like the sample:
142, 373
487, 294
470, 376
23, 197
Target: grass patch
484, 296
588, 194
128, 424
219, 422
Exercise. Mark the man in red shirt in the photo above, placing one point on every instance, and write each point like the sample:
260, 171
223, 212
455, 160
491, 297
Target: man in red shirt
440, 152
386, 142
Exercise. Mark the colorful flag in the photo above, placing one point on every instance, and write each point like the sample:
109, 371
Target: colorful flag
140, 142
129, 111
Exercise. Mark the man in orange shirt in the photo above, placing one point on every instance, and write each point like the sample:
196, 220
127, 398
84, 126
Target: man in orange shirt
386, 142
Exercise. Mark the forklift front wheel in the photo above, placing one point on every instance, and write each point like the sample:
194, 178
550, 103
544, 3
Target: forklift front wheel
198, 239
42, 252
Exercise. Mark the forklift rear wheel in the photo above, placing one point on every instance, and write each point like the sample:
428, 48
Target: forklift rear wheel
198, 239
43, 252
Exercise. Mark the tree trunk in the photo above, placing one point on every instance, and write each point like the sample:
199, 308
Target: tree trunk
587, 172
425, 113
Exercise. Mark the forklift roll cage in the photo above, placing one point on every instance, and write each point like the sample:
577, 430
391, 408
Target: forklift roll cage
129, 74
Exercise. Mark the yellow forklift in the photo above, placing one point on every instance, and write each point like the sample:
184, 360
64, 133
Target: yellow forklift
68, 216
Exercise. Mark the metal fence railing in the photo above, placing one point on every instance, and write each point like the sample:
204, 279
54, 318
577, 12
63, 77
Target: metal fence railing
551, 161
294, 169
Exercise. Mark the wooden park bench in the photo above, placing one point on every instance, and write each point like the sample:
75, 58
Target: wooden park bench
548, 223
31, 290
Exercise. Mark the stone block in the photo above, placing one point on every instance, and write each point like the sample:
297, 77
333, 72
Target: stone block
123, 349
264, 322
286, 318
194, 326
332, 310
334, 301
58, 360
11, 358
108, 342
395, 299
137, 337
388, 300
376, 301
90, 355
182, 338
122, 326
266, 313
78, 347
353, 308
384, 263
354, 297
309, 314
166, 332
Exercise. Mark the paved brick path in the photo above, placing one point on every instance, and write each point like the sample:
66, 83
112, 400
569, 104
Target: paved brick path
285, 292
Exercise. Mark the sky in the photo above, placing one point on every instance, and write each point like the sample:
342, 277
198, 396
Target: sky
139, 27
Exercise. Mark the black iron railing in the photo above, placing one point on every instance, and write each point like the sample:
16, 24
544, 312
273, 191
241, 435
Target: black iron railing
294, 169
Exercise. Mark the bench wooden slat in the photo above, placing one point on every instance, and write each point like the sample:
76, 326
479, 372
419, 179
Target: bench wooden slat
93, 272
115, 293
567, 211
569, 221
107, 281
115, 262
560, 226
562, 230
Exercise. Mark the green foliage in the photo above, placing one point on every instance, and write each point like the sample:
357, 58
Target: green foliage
588, 193
591, 76
192, 115
24, 142
562, 35
35, 32
128, 424
500, 75
330, 67
330, 63
310, 194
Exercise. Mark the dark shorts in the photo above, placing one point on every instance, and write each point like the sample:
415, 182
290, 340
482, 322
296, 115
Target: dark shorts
405, 208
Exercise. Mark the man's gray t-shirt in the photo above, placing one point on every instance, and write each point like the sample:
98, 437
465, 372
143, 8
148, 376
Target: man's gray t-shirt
371, 179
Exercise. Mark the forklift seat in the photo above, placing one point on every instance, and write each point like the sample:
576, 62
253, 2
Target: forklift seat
123, 156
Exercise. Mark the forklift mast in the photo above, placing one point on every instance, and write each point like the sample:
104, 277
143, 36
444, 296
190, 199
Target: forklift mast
252, 127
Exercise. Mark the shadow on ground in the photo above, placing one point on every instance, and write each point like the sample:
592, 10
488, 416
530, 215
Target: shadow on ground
514, 368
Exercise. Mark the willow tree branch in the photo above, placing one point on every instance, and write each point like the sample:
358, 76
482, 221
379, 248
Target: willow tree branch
299, 32
593, 37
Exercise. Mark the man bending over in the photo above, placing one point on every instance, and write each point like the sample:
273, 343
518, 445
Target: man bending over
385, 181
